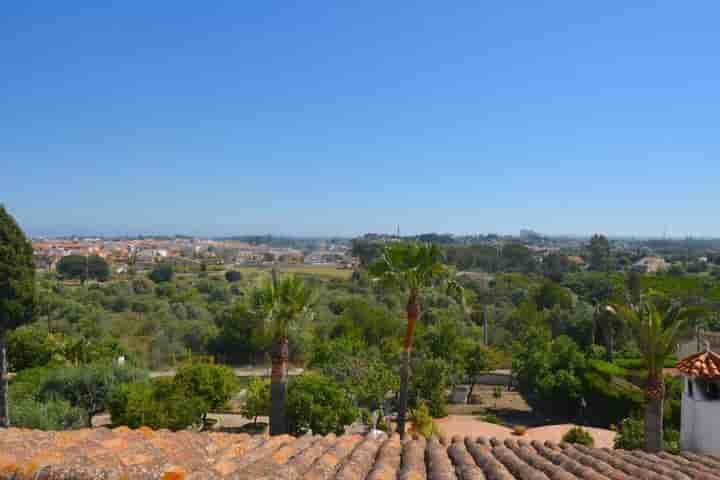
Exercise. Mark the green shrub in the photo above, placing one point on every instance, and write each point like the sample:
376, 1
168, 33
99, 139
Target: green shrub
607, 368
87, 387
610, 399
317, 403
162, 272
422, 421
46, 415
31, 346
639, 363
257, 399
156, 404
175, 403
631, 434
28, 383
578, 435
428, 383
597, 352
214, 384
671, 440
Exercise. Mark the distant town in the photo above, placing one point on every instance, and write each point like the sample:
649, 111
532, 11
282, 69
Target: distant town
188, 253
125, 254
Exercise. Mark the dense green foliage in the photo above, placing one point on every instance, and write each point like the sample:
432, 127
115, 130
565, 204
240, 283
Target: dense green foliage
87, 387
156, 404
17, 275
163, 272
32, 346
214, 384
72, 395
428, 385
631, 434
422, 421
46, 415
542, 315
173, 402
257, 399
319, 405
81, 267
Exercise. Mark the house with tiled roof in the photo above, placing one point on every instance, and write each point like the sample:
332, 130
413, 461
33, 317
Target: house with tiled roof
700, 422
146, 454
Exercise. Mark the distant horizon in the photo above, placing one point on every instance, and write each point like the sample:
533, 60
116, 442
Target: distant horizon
180, 233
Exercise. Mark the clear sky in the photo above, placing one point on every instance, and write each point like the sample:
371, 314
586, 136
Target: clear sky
346, 117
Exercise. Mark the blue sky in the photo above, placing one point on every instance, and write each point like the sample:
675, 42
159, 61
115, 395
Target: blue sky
316, 118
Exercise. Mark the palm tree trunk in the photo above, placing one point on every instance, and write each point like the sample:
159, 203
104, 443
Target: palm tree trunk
278, 387
470, 393
413, 312
4, 401
654, 395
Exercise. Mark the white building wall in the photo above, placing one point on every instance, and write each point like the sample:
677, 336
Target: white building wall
700, 429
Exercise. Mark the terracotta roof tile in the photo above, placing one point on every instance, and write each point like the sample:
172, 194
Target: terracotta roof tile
704, 364
162, 455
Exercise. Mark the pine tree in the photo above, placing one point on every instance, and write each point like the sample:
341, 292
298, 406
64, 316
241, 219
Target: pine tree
17, 292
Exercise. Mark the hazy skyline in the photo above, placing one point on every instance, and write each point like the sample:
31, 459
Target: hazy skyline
334, 119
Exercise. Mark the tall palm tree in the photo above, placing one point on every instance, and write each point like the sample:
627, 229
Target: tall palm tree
656, 323
282, 303
411, 266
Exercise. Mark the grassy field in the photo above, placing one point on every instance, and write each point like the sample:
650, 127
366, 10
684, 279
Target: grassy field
319, 270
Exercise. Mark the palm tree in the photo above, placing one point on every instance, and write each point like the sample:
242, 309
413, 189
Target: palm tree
411, 266
656, 323
282, 303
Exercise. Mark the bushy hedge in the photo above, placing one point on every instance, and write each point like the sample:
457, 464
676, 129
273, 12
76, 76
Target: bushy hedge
639, 364
319, 404
631, 436
155, 404
257, 399
175, 403
556, 377
88, 387
62, 398
422, 422
46, 415
610, 398
428, 383
214, 384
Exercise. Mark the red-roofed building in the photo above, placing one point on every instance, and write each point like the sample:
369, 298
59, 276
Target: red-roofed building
701, 402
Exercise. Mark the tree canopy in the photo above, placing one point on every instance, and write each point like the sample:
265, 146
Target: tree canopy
84, 268
17, 274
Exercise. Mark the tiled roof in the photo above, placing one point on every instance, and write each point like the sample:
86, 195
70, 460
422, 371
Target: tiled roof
146, 454
704, 364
